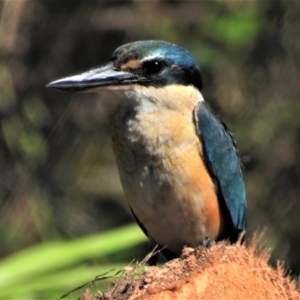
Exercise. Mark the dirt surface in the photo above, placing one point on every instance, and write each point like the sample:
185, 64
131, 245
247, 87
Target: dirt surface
220, 272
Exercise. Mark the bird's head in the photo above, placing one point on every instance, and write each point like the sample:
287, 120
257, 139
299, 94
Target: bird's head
144, 63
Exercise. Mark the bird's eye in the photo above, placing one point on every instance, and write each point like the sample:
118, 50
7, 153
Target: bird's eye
152, 67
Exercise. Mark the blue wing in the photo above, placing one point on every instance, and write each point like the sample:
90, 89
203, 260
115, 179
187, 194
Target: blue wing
223, 163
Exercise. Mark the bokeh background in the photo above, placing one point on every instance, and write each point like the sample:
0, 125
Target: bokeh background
63, 218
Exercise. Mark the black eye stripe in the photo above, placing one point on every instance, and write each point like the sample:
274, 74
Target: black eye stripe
152, 67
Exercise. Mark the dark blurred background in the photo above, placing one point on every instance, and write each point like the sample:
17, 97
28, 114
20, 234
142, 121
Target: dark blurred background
58, 174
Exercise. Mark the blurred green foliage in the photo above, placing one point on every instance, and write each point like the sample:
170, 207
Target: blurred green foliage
59, 181
235, 30
55, 265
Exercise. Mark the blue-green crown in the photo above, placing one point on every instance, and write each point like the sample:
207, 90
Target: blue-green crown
180, 66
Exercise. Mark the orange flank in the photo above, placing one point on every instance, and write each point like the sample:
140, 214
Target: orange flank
198, 185
202, 180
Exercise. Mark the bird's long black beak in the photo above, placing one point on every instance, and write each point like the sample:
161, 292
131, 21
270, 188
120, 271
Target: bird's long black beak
106, 77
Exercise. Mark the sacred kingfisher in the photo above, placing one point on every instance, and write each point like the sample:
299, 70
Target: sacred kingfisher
177, 161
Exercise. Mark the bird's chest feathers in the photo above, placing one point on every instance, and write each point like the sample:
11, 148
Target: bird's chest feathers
159, 134
157, 128
154, 141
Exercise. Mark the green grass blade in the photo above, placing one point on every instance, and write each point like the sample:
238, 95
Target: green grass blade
49, 256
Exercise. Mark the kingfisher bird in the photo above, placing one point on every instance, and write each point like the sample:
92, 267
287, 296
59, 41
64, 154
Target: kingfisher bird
177, 161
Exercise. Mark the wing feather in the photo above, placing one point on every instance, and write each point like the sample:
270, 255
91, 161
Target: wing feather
223, 163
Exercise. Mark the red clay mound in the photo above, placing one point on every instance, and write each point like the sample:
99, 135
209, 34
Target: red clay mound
220, 272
